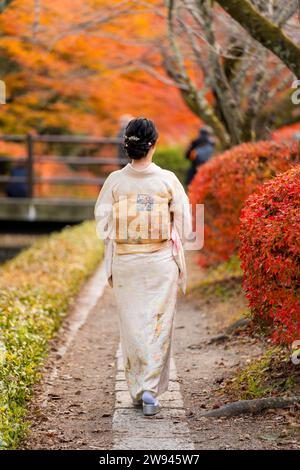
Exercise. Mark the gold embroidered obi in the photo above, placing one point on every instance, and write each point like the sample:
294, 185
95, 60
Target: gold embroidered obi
142, 223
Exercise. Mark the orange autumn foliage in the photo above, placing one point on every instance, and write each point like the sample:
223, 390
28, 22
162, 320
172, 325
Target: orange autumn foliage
65, 78
53, 170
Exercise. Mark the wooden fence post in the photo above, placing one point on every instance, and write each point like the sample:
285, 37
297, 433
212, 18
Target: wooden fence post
30, 169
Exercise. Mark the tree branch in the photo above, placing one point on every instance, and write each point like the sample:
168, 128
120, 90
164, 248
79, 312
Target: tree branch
263, 30
194, 98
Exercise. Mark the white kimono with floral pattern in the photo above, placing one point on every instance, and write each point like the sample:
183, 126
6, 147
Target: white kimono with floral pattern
144, 269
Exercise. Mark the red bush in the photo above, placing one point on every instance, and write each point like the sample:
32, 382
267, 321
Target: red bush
224, 183
270, 253
287, 132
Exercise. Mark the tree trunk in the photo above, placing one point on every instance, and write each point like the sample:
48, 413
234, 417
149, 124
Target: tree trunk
263, 30
206, 113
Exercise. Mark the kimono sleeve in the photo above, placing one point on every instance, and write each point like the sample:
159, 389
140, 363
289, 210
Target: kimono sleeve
180, 207
103, 211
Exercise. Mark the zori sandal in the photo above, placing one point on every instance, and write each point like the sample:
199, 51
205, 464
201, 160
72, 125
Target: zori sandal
151, 405
151, 409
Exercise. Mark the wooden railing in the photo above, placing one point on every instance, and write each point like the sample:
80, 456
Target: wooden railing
30, 159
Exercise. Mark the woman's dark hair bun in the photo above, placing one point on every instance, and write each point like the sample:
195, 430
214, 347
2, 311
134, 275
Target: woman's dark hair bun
140, 136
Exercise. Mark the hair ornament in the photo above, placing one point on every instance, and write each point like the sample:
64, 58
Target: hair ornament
132, 137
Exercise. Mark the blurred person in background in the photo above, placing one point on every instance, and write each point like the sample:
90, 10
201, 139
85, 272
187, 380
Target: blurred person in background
17, 188
199, 152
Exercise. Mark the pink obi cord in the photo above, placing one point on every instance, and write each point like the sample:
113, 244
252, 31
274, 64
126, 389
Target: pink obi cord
176, 241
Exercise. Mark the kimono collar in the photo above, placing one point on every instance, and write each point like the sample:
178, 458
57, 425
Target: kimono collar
143, 171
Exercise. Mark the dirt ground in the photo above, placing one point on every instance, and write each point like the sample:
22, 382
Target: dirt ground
202, 368
74, 409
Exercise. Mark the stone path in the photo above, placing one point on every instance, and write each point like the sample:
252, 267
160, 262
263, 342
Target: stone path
167, 430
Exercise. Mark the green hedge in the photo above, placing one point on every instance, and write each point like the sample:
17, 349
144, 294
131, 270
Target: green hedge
36, 289
172, 158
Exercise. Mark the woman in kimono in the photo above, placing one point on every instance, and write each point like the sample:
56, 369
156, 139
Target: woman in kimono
142, 214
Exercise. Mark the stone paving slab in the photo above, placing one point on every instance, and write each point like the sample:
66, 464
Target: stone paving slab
155, 427
154, 443
168, 430
168, 399
120, 376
